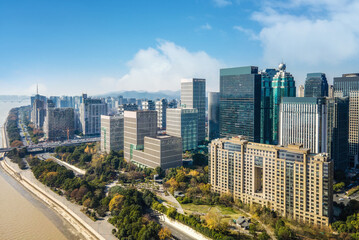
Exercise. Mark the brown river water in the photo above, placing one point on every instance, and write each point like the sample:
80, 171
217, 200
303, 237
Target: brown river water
22, 215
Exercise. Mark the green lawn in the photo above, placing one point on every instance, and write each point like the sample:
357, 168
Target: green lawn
227, 212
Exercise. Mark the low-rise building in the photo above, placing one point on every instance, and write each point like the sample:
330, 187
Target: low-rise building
161, 151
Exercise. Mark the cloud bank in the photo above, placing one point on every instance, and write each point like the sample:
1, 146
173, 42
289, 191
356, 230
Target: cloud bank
309, 32
162, 68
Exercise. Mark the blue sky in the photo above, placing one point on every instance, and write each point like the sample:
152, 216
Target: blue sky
73, 46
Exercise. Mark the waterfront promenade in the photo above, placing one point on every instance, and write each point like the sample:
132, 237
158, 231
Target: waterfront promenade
100, 229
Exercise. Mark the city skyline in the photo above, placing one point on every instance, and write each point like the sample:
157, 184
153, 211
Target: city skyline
98, 48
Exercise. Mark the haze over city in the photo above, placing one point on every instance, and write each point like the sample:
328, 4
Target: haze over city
70, 47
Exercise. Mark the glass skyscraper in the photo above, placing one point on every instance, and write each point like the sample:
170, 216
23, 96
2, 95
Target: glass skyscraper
240, 102
316, 85
338, 128
213, 115
193, 95
346, 83
283, 85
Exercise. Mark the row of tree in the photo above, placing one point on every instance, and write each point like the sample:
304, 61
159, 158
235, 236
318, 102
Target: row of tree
13, 132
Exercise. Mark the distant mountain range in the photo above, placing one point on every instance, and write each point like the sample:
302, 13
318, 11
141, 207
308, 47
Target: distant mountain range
144, 94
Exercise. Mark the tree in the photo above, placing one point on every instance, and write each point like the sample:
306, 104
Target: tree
253, 229
171, 212
338, 187
213, 220
263, 236
116, 202
164, 233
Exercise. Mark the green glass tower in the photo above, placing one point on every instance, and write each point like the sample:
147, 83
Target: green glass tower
283, 85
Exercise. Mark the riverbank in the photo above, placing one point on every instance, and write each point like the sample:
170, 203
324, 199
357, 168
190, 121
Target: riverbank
71, 212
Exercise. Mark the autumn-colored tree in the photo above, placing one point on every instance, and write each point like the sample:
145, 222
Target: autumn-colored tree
213, 220
194, 173
87, 203
164, 233
116, 202
16, 144
205, 188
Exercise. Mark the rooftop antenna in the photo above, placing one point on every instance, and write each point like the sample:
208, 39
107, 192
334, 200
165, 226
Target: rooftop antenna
37, 89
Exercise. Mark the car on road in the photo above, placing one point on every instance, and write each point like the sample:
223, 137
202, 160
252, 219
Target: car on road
341, 199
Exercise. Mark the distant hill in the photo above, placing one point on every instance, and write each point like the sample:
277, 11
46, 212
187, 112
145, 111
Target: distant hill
144, 94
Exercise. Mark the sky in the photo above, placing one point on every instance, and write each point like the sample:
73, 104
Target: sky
69, 47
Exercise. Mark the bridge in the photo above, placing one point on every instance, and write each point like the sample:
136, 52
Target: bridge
41, 147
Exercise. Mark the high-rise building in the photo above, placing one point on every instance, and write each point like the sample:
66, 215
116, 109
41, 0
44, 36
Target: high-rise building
138, 125
338, 127
283, 85
182, 123
316, 85
127, 107
59, 123
111, 133
304, 121
353, 128
90, 115
161, 151
331, 91
266, 111
240, 102
38, 113
240, 99
193, 95
346, 83
161, 108
290, 180
213, 115
148, 105
300, 92
173, 103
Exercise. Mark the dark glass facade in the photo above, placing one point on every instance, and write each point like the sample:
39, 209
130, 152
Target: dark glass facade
338, 130
316, 85
213, 115
346, 83
266, 129
240, 94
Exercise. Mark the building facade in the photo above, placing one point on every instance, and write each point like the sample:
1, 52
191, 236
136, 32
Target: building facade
148, 105
90, 115
300, 92
304, 121
289, 180
213, 115
316, 85
193, 95
161, 151
111, 133
38, 113
338, 130
182, 123
353, 128
283, 85
240, 102
59, 123
161, 108
138, 125
346, 83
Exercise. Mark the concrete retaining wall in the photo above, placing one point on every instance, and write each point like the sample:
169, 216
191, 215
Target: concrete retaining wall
183, 227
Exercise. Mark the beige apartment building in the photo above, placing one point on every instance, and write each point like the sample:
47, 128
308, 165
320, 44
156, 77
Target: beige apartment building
289, 180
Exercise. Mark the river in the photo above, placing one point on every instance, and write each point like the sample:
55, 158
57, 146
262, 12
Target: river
22, 215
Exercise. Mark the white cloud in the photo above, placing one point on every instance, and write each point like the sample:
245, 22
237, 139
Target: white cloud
206, 27
328, 38
249, 32
222, 3
163, 67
